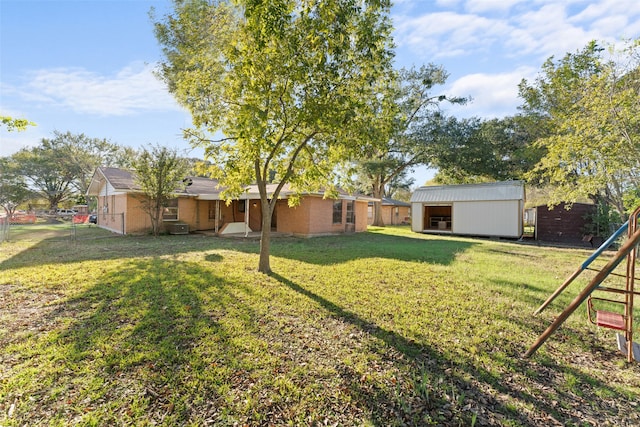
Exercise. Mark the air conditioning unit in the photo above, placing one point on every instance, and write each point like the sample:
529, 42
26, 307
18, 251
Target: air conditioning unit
179, 228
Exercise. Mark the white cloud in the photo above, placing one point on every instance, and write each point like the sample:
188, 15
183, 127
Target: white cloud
611, 19
599, 9
540, 28
444, 33
133, 89
12, 142
494, 95
547, 31
446, 3
477, 6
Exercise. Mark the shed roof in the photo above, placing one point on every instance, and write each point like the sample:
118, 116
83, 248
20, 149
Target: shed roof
506, 190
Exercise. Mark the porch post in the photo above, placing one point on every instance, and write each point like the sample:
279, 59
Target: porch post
215, 226
246, 217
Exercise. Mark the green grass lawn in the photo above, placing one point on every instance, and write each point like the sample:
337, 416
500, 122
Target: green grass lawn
380, 328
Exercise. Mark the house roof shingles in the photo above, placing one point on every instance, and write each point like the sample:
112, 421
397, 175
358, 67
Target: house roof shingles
120, 179
202, 188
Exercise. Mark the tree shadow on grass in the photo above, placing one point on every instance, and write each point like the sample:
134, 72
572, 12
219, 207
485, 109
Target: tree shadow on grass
158, 341
172, 342
327, 250
421, 399
446, 389
140, 330
330, 250
56, 251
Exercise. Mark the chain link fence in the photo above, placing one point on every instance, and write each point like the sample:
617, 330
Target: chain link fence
51, 227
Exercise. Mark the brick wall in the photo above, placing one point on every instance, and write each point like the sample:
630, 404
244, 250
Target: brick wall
314, 216
390, 217
137, 220
361, 216
294, 220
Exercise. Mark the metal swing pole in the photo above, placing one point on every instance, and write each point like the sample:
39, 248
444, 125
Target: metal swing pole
622, 253
631, 273
583, 267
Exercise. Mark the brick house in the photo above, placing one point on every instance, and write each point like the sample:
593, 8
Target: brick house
199, 207
394, 212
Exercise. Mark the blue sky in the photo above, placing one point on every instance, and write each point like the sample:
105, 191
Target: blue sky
85, 66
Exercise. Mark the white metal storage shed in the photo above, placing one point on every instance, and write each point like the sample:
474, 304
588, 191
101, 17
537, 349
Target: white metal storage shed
488, 209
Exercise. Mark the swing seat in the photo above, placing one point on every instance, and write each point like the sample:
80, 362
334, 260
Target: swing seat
606, 319
610, 320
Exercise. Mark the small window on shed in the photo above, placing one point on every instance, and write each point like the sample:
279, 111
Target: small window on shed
337, 212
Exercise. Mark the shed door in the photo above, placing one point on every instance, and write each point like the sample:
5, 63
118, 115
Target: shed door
437, 218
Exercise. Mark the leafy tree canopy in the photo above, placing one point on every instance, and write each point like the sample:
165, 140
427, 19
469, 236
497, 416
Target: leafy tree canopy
589, 102
475, 150
61, 167
286, 83
13, 192
15, 124
402, 134
45, 172
13, 188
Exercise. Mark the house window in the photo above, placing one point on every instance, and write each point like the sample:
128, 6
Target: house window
170, 210
351, 217
337, 212
242, 205
370, 212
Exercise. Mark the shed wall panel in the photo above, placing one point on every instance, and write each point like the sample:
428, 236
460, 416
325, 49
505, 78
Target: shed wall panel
416, 217
491, 218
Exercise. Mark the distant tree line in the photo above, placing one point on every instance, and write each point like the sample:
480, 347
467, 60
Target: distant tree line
59, 169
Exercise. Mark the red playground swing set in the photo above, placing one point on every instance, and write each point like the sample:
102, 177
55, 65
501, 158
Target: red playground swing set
620, 320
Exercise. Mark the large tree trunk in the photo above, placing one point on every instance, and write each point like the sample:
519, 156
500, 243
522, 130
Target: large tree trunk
156, 214
377, 192
377, 214
264, 265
